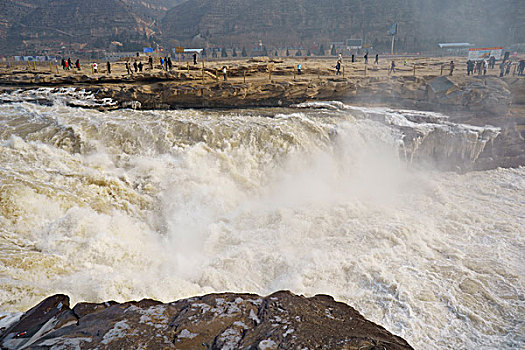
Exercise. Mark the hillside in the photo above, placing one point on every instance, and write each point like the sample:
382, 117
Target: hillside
41, 26
38, 27
154, 9
422, 23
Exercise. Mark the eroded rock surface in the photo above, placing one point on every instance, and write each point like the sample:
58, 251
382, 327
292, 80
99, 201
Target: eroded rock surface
216, 321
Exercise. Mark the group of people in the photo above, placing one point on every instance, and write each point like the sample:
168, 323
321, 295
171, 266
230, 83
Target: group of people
68, 64
166, 64
479, 67
137, 67
339, 63
504, 68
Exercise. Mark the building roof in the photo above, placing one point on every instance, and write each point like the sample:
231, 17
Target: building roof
450, 45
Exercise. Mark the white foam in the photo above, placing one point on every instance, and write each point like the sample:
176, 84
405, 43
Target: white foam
172, 204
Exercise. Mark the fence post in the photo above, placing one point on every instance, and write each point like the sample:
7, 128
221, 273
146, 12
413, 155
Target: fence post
441, 69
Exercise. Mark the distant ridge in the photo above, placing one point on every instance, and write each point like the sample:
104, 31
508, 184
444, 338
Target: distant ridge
422, 23
32, 26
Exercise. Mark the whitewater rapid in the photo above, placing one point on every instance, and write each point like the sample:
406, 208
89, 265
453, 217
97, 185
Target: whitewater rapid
319, 198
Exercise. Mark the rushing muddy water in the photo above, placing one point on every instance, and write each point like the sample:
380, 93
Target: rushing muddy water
321, 198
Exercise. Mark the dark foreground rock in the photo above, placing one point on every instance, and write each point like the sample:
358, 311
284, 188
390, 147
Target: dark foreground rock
216, 321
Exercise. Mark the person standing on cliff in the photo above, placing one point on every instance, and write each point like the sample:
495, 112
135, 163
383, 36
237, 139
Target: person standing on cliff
224, 72
150, 61
69, 63
161, 63
127, 68
170, 64
136, 67
299, 69
353, 58
392, 68
338, 67
108, 65
195, 58
140, 66
366, 58
507, 68
452, 66
77, 64
377, 59
521, 68
469, 65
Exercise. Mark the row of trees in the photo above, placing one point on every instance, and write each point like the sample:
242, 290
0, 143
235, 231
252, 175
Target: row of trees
223, 52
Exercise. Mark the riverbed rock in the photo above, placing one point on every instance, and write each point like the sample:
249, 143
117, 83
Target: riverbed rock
215, 321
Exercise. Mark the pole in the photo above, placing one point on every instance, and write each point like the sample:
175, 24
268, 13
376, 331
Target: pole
441, 69
393, 40
203, 71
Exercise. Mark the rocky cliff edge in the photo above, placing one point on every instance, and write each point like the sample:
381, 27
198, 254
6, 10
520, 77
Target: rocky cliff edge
216, 321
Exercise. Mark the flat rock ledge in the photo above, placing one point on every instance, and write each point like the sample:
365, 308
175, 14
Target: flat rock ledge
215, 321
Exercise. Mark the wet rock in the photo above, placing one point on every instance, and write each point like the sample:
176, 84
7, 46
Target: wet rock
131, 104
36, 322
216, 321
